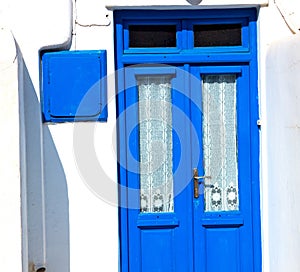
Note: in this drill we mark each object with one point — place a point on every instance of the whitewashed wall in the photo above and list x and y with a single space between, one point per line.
66 226
10 189
283 146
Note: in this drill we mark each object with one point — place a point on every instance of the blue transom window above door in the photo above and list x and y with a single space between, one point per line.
198 31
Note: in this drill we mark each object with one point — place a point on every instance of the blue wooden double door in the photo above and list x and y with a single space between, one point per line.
191 169
187 113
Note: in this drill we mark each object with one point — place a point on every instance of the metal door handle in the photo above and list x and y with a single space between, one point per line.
202 177
198 179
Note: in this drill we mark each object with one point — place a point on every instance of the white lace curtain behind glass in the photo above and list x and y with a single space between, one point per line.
155 143
220 142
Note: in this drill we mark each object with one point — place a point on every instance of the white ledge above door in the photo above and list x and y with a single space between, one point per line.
182 4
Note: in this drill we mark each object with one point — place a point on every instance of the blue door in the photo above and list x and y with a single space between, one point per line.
158 164
189 168
222 205
188 145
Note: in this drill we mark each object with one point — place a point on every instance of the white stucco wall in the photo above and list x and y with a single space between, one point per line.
271 28
10 186
290 11
283 145
66 226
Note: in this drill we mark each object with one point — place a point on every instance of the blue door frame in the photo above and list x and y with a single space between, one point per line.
178 237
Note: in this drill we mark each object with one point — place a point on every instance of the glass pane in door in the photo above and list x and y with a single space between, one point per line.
219 128
155 144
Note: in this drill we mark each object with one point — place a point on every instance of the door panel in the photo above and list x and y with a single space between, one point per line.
157 250
160 232
222 215
223 244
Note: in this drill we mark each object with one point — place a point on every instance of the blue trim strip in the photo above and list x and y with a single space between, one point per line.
154 71
222 69
157 221
222 222
185 57
255 157
123 15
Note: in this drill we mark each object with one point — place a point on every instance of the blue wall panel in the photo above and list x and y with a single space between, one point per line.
74 86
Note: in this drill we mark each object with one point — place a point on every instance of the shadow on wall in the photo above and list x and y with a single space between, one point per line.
45 205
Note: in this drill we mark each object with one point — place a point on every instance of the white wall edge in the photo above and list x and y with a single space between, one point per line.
10 188
45 32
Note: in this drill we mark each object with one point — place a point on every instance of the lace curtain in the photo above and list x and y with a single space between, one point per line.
155 143
220 142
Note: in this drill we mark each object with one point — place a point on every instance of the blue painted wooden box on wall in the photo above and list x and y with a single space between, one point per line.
74 86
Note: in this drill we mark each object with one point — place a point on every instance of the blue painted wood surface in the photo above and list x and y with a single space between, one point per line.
189 239
74 86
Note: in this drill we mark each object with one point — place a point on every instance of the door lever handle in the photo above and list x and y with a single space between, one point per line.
198 179
202 177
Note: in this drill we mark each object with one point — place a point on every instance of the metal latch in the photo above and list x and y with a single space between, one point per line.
197 180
